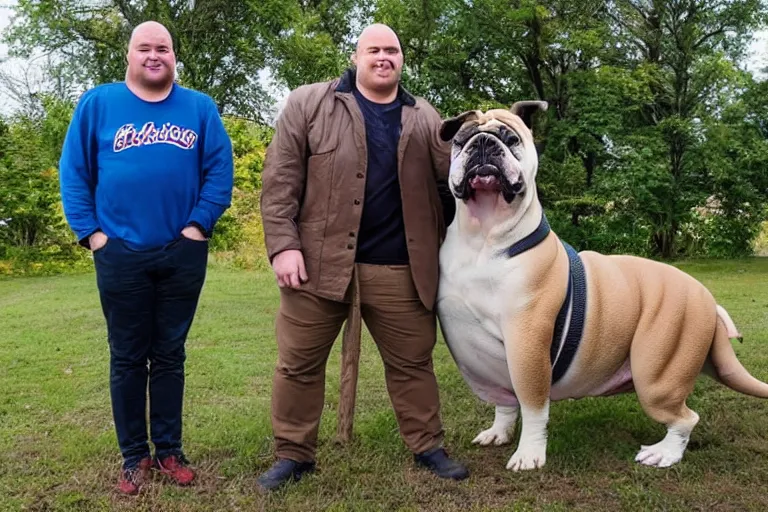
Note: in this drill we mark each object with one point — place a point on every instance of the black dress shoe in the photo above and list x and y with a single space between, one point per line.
438 461
283 471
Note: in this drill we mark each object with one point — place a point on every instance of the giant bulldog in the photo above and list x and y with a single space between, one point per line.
528 320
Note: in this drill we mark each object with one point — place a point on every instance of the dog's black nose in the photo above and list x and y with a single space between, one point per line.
486 147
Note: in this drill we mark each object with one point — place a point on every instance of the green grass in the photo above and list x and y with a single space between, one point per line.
58 448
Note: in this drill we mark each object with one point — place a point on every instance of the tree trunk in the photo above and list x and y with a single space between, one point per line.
665 240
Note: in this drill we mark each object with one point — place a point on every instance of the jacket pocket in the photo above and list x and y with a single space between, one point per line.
317 189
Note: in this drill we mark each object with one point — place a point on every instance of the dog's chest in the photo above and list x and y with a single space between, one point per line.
486 287
479 290
473 302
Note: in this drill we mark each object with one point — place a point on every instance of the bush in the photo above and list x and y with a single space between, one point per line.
720 230
760 246
244 247
34 236
238 239
30 206
48 260
607 233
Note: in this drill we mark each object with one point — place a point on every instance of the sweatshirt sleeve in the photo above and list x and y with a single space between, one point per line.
78 172
217 173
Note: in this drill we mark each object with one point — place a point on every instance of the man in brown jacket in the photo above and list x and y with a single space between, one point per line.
352 214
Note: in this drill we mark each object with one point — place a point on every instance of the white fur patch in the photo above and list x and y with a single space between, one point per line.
669 450
532 451
503 423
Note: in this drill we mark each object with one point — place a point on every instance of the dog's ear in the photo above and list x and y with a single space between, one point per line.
450 126
526 109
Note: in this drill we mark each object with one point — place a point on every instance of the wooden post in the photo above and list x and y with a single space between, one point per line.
350 366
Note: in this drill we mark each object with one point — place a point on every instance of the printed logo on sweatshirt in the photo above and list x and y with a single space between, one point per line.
127 136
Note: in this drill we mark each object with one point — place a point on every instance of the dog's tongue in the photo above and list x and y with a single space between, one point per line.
485 183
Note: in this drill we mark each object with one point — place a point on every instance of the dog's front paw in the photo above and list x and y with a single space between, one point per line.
496 435
531 457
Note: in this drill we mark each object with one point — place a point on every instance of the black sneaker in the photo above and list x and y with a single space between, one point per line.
283 471
438 461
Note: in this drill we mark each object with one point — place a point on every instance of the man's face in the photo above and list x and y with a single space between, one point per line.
379 59
151 60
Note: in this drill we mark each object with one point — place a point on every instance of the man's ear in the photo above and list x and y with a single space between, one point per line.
449 127
526 109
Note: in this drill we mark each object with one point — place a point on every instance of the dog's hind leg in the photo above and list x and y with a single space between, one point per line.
670 450
666 359
503 422
664 401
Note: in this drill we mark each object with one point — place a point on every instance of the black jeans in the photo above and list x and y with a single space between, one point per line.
149 299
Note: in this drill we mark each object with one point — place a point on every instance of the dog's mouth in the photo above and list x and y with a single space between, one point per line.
487 179
483 181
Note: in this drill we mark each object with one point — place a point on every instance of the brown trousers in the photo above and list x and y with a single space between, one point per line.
405 334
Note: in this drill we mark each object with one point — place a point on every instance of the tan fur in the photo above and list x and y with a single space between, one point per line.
530 367
662 321
727 368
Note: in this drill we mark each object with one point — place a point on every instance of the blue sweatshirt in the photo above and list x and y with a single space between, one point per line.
142 171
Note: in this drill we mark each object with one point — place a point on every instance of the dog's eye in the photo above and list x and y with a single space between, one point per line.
461 140
463 137
509 138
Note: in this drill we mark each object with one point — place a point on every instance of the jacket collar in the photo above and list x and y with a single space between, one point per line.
347 84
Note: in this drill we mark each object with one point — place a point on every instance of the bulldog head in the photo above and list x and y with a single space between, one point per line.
493 157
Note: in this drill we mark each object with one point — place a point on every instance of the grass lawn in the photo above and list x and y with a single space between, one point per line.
58 448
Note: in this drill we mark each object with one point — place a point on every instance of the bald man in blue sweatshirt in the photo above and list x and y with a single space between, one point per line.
146 171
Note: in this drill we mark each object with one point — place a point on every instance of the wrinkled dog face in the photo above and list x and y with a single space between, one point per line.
492 152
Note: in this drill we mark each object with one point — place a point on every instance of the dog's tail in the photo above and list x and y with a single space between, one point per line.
726 366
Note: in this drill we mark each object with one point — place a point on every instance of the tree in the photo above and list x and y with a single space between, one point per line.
221 45
319 42
30 205
690 49
654 142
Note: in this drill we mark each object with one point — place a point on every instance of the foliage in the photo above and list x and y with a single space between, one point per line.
33 233
654 142
319 42
34 237
239 238
760 245
219 44
630 87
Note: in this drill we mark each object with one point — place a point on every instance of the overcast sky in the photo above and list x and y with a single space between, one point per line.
16 67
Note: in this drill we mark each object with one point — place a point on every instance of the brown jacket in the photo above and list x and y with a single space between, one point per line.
313 185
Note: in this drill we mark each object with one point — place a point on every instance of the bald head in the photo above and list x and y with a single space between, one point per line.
151 61
375 32
151 29
379 62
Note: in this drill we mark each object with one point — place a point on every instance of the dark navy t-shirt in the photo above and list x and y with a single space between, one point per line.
382 232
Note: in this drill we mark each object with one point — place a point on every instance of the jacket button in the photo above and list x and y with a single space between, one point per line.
357 201
360 175
352 234
350 246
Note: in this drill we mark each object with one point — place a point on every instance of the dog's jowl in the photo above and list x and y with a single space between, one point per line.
529 320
